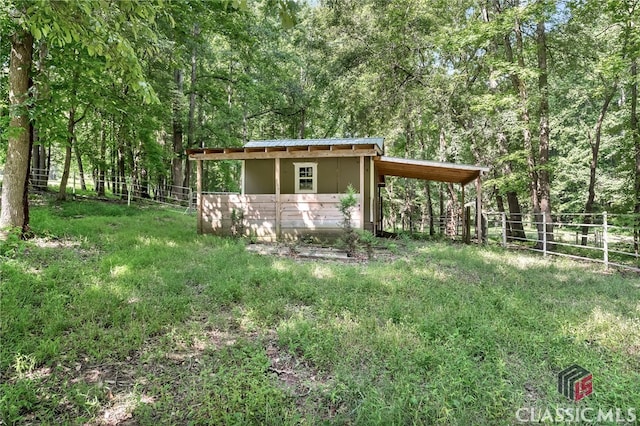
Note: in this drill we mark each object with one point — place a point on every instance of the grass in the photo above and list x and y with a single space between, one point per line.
123 314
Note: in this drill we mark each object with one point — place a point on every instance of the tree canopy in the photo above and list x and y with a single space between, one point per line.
544 92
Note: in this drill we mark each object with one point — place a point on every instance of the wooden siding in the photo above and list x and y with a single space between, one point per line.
299 214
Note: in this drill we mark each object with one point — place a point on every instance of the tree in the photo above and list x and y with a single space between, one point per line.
14 211
96 26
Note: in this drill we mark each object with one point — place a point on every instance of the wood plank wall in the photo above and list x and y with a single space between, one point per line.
299 214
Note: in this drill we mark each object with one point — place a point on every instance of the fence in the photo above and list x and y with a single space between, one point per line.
168 195
610 239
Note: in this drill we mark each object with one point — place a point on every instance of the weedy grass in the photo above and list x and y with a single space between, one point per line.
116 313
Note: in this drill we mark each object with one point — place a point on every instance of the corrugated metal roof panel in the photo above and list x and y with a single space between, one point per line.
428 170
315 142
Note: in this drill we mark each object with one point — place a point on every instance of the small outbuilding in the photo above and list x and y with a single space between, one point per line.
292 188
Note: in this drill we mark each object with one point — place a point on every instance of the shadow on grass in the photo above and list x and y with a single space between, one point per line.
137 318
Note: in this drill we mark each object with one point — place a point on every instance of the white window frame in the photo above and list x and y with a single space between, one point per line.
314 178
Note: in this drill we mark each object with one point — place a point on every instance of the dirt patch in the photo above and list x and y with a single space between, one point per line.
300 251
310 252
303 381
294 375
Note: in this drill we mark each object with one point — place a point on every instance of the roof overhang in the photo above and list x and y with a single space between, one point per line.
428 170
316 142
295 151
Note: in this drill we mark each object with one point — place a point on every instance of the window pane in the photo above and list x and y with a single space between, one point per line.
306 172
306 184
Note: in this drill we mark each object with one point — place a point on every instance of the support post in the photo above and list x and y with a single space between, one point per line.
605 240
278 202
479 209
242 181
467 225
465 217
199 195
372 196
380 211
362 192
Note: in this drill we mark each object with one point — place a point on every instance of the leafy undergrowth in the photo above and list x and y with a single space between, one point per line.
123 315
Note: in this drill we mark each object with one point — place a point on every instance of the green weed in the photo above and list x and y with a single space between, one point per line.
116 309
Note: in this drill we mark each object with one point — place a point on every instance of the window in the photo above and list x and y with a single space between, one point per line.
306 178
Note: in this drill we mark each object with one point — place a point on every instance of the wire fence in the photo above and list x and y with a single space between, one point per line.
610 239
169 195
607 238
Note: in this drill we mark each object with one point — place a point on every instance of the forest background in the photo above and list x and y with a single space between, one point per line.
543 92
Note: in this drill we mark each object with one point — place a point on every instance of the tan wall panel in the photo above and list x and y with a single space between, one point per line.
348 173
259 177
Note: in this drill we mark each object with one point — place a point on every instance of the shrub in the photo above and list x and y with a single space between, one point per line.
347 203
368 241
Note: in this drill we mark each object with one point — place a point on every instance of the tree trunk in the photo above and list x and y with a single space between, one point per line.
39 171
515 217
121 165
113 159
14 211
176 163
432 230
102 164
593 167
443 215
144 183
527 139
191 128
302 126
83 184
544 178
62 192
500 204
442 156
452 212
47 165
515 229
520 86
132 164
635 135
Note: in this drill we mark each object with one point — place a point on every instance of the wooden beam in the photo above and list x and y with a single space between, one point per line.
479 208
361 192
242 179
199 195
372 197
278 201
234 155
465 237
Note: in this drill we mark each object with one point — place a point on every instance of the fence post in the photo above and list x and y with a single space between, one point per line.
605 241
544 234
504 229
129 188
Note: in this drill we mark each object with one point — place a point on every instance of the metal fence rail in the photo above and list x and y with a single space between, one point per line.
609 238
182 197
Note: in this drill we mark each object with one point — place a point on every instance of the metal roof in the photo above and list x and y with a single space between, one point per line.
315 142
428 170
